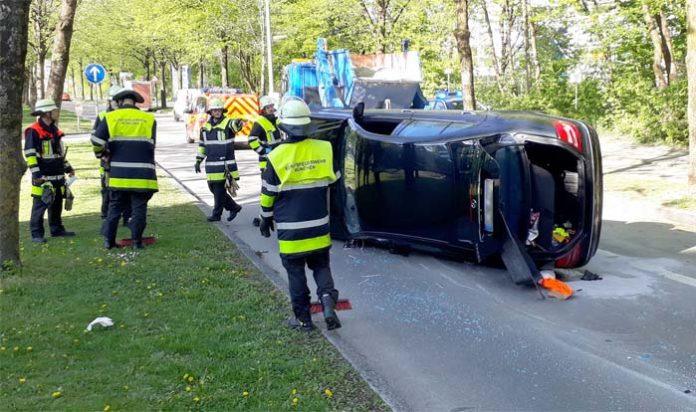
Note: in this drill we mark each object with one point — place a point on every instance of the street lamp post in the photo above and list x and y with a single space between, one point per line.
269 41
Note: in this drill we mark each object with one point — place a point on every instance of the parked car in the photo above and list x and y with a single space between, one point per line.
197 115
466 183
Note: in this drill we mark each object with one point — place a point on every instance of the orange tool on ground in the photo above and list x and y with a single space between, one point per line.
556 288
342 304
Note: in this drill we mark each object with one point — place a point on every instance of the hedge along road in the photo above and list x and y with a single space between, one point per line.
434 334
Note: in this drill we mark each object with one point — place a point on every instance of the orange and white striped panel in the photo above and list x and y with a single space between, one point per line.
243 106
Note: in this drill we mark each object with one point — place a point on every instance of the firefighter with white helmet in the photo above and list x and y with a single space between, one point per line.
45 154
294 198
264 135
216 147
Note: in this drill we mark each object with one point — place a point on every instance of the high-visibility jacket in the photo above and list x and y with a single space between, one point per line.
264 136
294 192
45 153
130 136
216 146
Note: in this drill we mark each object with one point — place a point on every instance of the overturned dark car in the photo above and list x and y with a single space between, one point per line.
521 186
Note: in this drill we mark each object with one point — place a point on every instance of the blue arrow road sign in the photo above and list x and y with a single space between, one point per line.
95 73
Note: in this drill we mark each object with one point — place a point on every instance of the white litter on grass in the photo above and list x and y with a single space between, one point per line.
102 321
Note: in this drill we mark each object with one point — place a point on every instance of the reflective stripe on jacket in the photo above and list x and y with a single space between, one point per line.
132 146
216 146
295 193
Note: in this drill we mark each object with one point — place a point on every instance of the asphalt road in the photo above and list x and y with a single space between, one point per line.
439 335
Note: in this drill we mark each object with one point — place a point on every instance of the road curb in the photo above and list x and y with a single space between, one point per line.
354 358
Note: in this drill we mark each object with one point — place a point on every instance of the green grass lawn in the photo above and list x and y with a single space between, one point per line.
196 326
68 121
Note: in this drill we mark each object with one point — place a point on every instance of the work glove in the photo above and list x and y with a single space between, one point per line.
237 125
266 226
197 166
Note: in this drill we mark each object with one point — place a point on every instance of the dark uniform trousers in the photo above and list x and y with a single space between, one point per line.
119 201
318 263
105 202
222 199
55 211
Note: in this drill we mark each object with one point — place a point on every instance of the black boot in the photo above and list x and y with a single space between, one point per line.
108 244
213 218
303 326
329 305
233 213
137 245
256 222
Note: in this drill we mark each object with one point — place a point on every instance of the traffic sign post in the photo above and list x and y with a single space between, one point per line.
95 73
78 113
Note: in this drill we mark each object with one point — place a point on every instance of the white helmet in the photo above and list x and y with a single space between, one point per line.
216 103
113 90
265 101
295 112
43 106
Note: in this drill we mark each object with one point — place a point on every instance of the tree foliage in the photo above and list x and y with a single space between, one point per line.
591 60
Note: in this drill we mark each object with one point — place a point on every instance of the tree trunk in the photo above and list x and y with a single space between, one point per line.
530 47
163 82
667 48
60 58
527 46
72 81
534 55
463 35
82 79
147 65
13 43
201 70
494 55
661 80
40 88
691 76
31 86
506 23
224 77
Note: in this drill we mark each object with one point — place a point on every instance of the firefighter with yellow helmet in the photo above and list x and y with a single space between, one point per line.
216 147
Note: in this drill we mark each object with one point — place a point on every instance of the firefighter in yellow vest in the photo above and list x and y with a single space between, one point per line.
45 154
264 134
294 197
104 165
126 139
216 146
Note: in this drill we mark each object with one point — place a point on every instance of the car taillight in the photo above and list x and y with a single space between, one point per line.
569 133
571 259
